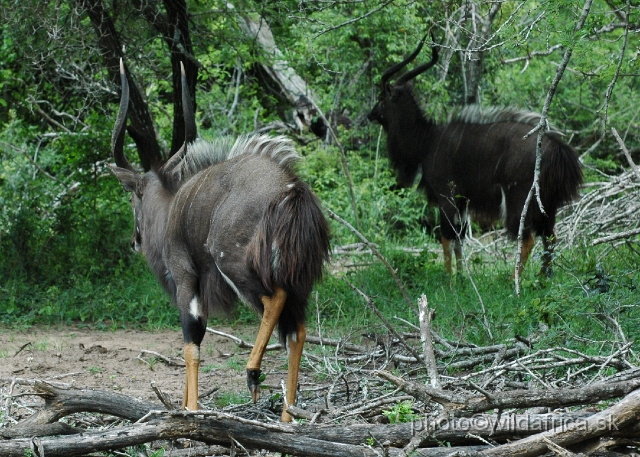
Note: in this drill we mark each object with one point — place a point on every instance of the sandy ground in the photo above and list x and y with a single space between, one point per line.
113 360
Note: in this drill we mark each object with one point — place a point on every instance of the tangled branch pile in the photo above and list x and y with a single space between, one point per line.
607 213
361 408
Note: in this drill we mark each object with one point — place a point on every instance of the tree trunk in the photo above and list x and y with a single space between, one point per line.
479 30
141 125
178 39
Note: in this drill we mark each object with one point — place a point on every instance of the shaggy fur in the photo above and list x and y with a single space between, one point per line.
202 153
475 114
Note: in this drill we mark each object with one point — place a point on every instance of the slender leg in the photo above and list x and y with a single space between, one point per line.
295 344
446 249
193 319
549 243
457 250
527 246
272 309
192 359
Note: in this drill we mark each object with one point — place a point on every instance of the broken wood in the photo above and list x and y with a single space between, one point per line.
617 417
60 402
218 428
470 404
425 316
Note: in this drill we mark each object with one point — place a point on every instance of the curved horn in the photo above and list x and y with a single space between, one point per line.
117 138
399 66
190 130
419 69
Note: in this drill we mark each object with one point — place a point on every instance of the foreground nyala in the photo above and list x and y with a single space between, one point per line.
480 163
222 221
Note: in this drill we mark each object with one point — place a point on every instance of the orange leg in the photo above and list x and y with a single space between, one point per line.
272 309
295 344
192 359
527 247
446 249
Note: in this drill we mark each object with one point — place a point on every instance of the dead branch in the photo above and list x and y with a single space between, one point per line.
616 236
60 402
557 398
613 204
531 54
310 339
425 317
57 428
377 253
390 327
619 416
210 430
168 360
625 151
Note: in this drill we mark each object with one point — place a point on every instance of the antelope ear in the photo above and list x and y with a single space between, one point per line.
387 87
129 179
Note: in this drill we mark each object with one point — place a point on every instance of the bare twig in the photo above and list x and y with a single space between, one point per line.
542 127
356 19
33 162
607 95
163 397
377 253
164 358
625 151
370 303
425 317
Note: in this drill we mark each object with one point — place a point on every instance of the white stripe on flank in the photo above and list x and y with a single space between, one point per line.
232 285
503 205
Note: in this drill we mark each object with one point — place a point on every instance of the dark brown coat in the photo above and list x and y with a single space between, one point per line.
479 163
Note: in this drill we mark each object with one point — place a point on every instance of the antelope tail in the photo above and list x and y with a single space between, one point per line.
560 175
289 250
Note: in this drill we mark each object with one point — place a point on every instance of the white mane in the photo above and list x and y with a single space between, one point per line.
202 153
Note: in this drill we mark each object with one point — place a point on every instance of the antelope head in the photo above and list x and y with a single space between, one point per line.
390 94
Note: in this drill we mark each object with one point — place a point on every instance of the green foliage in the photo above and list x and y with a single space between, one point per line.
400 413
384 213
227 399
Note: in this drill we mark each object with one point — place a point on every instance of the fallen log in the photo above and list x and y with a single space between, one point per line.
216 428
60 402
209 430
21 430
621 415
522 398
